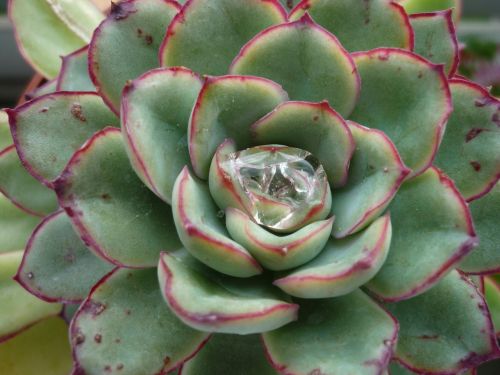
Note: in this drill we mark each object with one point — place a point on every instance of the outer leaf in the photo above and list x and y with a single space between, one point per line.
492 295
376 172
432 231
15 226
114 213
307 60
57 266
406 97
155 114
42 349
469 152
45 88
191 40
430 342
42 48
343 266
124 326
221 306
331 338
230 354
314 127
49 129
5 136
436 39
360 25
225 108
74 74
19 309
486 258
21 188
203 235
132 25
422 6
81 17
278 252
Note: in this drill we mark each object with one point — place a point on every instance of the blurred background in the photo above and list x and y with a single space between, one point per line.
478 32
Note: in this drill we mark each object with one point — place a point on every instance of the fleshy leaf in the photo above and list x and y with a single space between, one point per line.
226 108
112 211
155 115
22 188
15 226
492 295
45 88
49 129
191 40
423 6
306 59
215 304
331 337
313 127
203 234
418 89
432 231
278 252
41 35
469 151
360 25
57 266
134 25
446 330
486 257
20 309
230 354
5 136
343 266
74 74
81 17
41 349
124 326
436 39
376 172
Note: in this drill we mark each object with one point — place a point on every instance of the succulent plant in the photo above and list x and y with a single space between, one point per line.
243 189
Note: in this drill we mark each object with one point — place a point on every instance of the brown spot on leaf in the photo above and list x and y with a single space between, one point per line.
79 338
476 165
428 337
43 110
98 338
481 102
107 368
106 196
473 133
119 366
289 4
76 111
128 312
148 39
316 118
420 75
120 11
496 118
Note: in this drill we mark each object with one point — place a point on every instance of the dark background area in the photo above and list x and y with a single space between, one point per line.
480 25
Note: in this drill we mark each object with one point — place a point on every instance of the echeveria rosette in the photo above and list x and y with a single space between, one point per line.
266 200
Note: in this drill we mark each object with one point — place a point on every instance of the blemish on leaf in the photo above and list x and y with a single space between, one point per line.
120 11
428 337
128 312
30 275
43 110
383 57
119 366
118 341
76 111
481 102
107 368
149 39
79 338
496 118
106 196
316 118
95 308
98 338
473 133
476 165
316 371
420 75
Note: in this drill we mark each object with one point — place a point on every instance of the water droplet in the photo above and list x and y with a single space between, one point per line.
30 275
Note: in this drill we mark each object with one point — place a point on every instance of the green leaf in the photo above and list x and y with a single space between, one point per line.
376 172
57 266
407 98
46 88
230 354
486 257
360 25
126 44
49 129
492 295
203 234
41 35
74 74
469 151
216 304
155 115
22 188
226 108
343 266
5 136
432 231
15 225
278 252
41 349
314 127
20 309
125 326
191 40
345 335
436 39
423 6
307 60
446 330
111 209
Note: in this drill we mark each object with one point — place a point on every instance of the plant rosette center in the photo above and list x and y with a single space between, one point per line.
280 187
